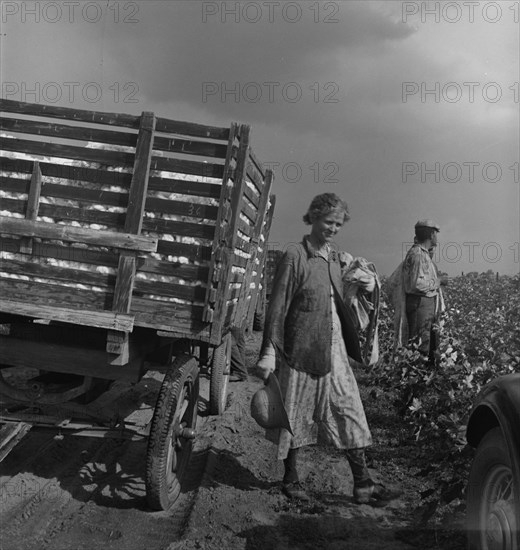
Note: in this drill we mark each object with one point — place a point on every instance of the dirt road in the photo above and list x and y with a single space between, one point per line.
83 493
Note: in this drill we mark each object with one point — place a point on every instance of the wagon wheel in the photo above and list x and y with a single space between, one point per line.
219 377
172 433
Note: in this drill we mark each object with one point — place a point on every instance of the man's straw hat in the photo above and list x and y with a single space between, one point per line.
428 223
267 406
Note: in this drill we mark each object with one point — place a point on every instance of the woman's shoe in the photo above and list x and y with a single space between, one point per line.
385 493
363 493
375 494
295 491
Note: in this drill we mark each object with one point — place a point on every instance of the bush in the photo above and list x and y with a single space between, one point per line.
480 339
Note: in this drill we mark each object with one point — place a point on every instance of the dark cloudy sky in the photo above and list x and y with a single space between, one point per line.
407 110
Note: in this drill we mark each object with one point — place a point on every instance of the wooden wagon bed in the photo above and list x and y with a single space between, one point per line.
119 234
127 222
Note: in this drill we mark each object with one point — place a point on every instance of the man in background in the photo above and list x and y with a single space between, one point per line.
421 287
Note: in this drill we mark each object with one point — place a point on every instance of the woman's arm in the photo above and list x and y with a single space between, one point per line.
283 289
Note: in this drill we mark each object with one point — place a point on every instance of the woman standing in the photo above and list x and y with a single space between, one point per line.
308 336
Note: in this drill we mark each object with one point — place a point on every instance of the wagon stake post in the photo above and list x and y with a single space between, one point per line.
119 342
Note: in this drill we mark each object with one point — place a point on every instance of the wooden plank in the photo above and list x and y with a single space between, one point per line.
245 228
10 434
15 185
255 177
258 164
53 295
229 234
42 148
185 320
188 147
253 198
62 274
191 129
65 131
180 229
154 313
69 192
171 290
120 179
179 208
78 173
229 313
189 272
115 119
66 253
26 228
193 167
33 201
100 319
147 312
240 262
117 342
234 293
249 212
199 334
261 256
114 220
12 246
241 311
195 252
68 359
242 244
82 195
51 111
184 187
110 258
34 193
139 185
125 278
222 219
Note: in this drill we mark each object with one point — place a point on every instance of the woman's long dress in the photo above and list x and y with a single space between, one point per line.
323 410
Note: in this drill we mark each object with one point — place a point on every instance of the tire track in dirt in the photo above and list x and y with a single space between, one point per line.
38 490
102 483
83 493
115 515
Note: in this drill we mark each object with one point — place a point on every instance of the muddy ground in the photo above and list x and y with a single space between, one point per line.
63 493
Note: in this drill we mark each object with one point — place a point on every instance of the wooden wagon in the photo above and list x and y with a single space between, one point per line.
123 236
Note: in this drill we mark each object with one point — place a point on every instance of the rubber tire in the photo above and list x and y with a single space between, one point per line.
177 404
219 376
491 460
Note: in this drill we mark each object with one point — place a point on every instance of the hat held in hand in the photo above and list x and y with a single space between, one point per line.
267 406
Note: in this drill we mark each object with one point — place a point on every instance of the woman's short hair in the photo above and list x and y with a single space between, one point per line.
324 204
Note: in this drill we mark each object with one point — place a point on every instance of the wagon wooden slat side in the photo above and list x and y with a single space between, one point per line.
90 185
259 236
120 233
261 251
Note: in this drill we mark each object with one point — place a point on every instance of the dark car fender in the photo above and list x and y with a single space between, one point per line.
499 405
